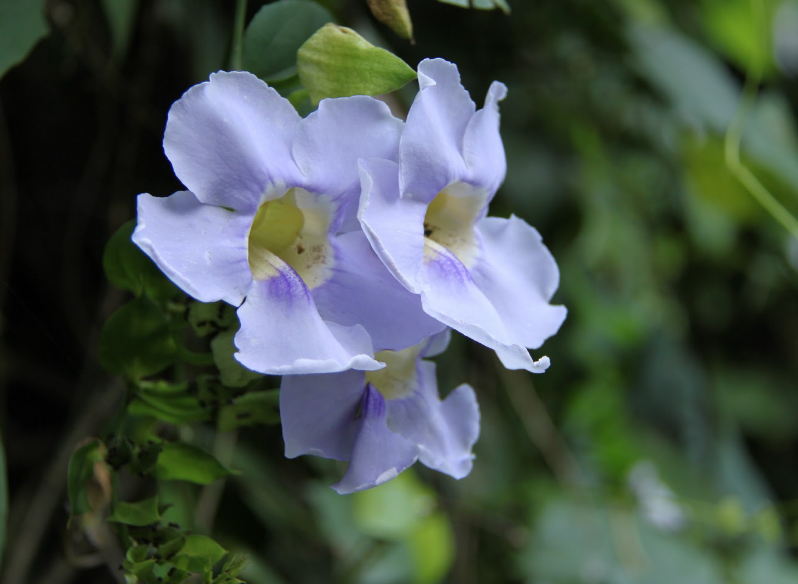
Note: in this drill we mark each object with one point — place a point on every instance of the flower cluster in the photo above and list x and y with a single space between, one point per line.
351 242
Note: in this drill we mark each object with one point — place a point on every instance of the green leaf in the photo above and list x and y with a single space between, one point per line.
22 25
734 28
338 62
136 340
432 549
171 403
393 13
80 472
127 267
393 510
275 34
232 373
183 462
210 317
138 514
199 553
257 407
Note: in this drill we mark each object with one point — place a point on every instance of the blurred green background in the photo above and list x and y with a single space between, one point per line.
660 447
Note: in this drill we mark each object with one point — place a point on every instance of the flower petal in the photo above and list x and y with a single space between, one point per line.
332 139
432 141
452 297
319 413
482 145
393 226
362 291
518 274
229 140
444 431
379 455
282 333
201 248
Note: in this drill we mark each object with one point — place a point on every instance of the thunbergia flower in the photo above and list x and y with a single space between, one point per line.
270 220
425 216
381 421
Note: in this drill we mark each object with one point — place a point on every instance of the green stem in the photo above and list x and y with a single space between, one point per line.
734 136
238 35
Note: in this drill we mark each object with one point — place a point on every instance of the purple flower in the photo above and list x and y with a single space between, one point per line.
425 216
270 220
381 421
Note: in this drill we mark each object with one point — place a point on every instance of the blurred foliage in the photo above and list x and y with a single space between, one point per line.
658 448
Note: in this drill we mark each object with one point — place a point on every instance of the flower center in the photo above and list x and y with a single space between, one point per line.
450 219
293 229
399 377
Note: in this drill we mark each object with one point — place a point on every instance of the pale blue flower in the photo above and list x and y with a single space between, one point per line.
269 220
381 421
425 216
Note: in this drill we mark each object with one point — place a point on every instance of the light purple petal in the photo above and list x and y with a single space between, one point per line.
319 413
444 431
518 274
229 140
482 146
282 333
432 142
332 139
452 297
379 455
362 291
201 248
393 226
437 344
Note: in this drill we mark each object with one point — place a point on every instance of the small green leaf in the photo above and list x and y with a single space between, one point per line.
395 509
171 403
210 317
200 553
275 34
393 13
432 549
232 373
128 268
171 547
22 25
256 407
145 458
136 340
338 62
138 514
183 462
80 471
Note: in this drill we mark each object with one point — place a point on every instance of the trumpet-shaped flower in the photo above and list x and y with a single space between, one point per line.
425 216
381 421
269 220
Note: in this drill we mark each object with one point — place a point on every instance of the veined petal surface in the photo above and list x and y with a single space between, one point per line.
229 140
362 291
332 139
432 141
201 248
379 454
393 226
518 274
445 431
319 413
282 332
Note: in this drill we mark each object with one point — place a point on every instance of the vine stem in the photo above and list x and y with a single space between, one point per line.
734 136
238 35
